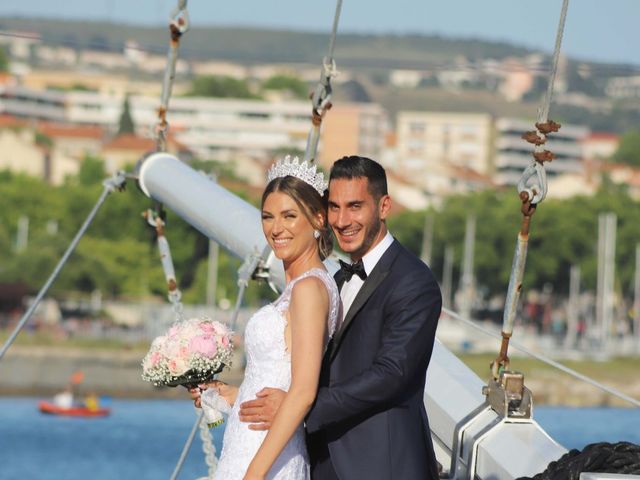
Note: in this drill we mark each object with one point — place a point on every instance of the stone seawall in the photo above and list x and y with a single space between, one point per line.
43 371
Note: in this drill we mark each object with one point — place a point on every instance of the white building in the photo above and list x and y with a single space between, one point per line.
34 104
213 128
405 78
623 87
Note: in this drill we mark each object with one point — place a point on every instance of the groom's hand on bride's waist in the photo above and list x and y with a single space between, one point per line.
260 411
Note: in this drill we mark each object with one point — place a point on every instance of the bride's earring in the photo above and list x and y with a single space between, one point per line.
316 234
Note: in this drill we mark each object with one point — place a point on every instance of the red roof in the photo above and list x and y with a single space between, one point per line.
602 136
131 141
54 130
7 121
57 130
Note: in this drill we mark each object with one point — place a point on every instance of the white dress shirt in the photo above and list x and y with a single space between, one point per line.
351 288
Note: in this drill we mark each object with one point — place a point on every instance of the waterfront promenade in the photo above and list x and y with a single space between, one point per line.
44 370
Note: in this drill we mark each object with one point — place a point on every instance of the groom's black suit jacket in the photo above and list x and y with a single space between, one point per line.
369 409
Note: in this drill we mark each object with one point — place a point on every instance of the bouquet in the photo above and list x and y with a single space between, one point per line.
191 352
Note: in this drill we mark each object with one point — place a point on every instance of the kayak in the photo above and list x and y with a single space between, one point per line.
76 411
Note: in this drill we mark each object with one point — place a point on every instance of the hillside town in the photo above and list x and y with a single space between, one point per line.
59 104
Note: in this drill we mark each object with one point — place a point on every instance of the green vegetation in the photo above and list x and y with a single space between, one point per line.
297 88
609 371
118 254
4 60
43 140
125 124
629 149
563 233
250 45
220 86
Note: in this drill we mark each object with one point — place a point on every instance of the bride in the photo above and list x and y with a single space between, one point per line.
284 340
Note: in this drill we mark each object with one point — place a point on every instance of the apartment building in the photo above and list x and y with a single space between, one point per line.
353 129
427 139
220 129
513 154
213 128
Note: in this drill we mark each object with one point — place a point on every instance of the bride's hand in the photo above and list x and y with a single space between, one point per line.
195 392
226 391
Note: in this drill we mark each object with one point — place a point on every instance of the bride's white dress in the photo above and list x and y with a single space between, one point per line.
269 365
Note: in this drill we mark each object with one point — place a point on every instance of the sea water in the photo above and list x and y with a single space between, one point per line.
143 439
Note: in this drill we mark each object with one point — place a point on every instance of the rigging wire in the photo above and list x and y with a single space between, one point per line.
321 97
208 446
544 359
187 445
532 189
178 25
114 183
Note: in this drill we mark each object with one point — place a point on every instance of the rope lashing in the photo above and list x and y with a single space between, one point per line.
544 126
621 457
532 189
321 96
208 448
174 294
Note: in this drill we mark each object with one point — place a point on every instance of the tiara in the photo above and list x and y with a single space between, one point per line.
304 171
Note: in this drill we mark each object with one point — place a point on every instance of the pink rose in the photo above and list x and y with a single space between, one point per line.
184 353
155 359
208 328
177 366
204 345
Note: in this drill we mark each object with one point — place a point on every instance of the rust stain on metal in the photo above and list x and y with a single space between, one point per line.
174 30
544 156
548 127
533 137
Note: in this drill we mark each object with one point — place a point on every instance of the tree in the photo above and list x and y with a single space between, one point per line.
91 171
126 121
298 88
4 60
628 151
220 86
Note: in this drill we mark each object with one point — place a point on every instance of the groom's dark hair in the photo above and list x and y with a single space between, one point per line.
357 167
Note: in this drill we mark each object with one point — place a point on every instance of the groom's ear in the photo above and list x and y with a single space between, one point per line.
384 207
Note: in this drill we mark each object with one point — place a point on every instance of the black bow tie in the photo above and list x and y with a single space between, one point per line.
349 270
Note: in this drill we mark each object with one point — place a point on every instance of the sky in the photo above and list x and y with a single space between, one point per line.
598 30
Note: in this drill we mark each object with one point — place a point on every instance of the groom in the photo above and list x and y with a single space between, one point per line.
368 420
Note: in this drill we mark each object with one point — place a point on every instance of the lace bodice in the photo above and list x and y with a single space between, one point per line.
269 365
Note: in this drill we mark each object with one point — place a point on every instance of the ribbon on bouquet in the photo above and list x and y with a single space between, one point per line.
213 407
